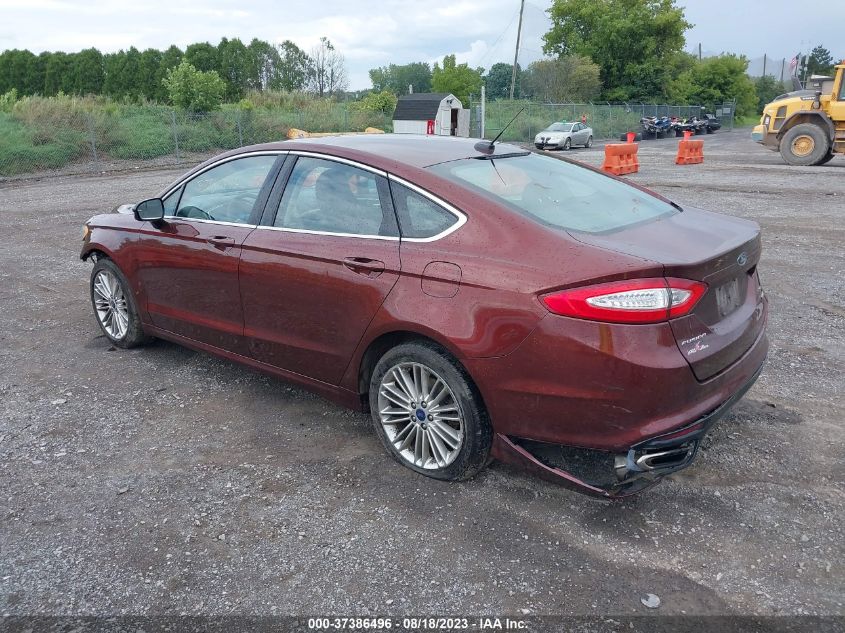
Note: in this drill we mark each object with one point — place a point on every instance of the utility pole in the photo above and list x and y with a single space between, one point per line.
782 66
699 51
516 52
764 64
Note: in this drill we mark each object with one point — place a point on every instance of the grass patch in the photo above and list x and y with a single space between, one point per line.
24 149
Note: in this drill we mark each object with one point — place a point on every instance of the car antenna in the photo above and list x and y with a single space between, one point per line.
488 147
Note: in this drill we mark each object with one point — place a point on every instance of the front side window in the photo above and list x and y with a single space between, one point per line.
557 193
419 217
225 193
330 197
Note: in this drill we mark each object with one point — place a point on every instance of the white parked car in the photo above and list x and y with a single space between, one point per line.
564 136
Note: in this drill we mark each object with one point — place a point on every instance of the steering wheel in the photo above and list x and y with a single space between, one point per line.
193 212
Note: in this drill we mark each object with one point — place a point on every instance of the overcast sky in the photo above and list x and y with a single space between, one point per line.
370 34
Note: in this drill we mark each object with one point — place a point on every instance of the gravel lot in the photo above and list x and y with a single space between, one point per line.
164 481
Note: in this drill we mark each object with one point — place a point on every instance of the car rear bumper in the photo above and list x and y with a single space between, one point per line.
621 394
640 467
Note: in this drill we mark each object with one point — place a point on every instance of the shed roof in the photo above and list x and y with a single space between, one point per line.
419 107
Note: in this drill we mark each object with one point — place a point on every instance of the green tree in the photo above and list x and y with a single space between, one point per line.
89 72
396 79
194 90
632 41
114 64
820 62
14 71
58 75
203 56
264 64
384 101
715 80
294 68
170 58
459 79
767 88
498 81
234 69
35 70
148 68
568 79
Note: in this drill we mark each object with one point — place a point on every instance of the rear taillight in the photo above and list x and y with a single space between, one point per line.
629 301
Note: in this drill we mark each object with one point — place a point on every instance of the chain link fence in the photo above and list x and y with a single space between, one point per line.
609 121
43 137
48 135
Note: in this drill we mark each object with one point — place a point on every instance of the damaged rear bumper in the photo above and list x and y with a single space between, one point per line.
615 475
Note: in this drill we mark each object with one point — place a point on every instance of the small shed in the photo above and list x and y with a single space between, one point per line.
439 113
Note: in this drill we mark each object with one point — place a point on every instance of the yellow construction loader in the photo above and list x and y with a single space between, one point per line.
807 127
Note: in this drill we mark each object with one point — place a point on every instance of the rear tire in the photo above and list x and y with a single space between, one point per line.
826 159
114 306
589 143
804 145
567 144
447 437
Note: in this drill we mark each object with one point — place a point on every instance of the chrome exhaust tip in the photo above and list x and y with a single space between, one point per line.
636 463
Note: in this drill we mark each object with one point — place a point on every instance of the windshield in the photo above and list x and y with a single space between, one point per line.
559 127
557 193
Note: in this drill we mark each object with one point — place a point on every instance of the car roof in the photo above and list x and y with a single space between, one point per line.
382 150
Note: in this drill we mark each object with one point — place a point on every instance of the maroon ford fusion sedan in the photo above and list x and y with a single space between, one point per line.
478 301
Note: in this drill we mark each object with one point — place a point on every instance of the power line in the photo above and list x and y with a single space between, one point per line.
498 39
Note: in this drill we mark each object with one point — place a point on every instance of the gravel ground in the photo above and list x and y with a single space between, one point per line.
163 481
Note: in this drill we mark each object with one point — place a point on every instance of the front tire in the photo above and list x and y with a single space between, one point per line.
114 306
805 144
428 414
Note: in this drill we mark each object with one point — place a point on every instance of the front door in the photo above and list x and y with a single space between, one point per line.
188 267
316 272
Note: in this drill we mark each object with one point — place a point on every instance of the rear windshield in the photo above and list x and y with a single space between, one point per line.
557 193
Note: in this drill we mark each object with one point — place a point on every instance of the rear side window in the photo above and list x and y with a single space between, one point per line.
419 217
557 193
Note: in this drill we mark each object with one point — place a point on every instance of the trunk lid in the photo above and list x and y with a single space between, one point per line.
721 251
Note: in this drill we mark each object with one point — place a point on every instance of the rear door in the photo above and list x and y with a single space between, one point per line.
188 266
319 267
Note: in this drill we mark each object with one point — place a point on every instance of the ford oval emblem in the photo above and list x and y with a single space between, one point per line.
742 259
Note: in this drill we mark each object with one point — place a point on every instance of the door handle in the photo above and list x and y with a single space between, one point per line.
364 266
221 241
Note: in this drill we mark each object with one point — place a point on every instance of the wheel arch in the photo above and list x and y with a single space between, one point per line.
388 340
95 251
815 117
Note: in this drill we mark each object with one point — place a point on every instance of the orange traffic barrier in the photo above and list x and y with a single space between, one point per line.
621 158
690 152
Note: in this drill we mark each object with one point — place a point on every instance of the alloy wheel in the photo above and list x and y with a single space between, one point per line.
111 305
420 416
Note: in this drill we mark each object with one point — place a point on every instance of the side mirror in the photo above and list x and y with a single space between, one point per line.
151 210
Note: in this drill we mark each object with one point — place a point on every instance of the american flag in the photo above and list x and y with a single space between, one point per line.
793 63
